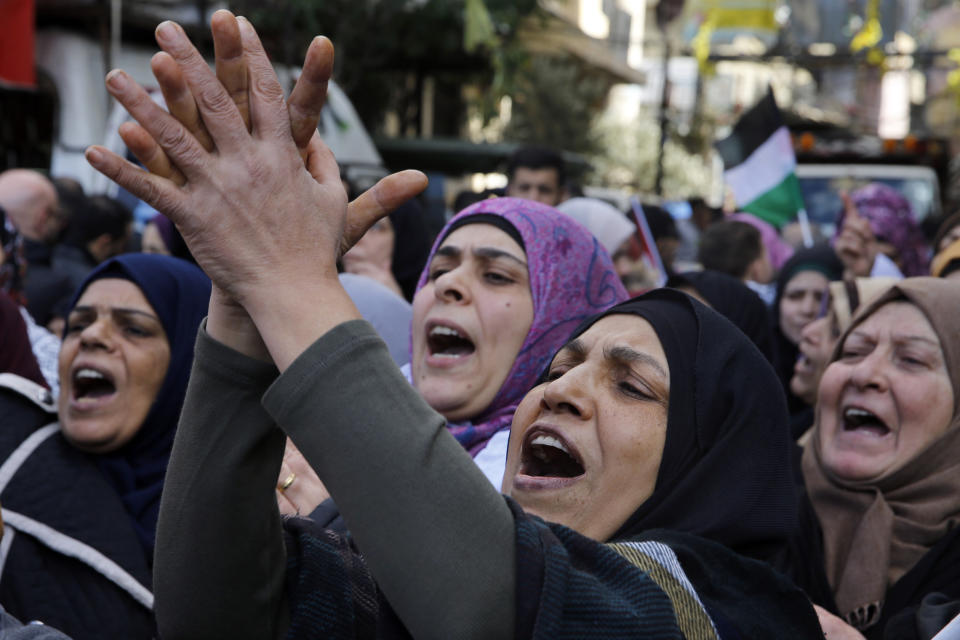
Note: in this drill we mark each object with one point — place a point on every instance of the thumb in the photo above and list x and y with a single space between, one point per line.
378 201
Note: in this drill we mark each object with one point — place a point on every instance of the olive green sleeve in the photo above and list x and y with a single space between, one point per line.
220 562
437 537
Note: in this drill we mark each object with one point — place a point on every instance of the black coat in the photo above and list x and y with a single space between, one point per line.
70 556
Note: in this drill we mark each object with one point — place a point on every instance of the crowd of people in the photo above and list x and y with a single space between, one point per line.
282 410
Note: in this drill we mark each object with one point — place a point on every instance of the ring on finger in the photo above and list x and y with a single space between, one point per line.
288 481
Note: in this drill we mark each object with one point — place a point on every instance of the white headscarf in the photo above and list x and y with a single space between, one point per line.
604 221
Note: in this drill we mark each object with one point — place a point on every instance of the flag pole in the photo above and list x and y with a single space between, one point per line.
804 221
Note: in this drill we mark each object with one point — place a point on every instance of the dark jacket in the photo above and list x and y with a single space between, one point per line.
70 557
916 606
44 287
75 263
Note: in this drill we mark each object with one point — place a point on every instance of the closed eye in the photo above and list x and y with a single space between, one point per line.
497 278
555 373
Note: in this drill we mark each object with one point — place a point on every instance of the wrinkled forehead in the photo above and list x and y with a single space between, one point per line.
934 306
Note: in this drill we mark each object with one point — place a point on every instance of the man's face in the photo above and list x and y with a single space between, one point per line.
540 185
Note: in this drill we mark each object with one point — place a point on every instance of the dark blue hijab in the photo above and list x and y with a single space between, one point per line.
179 293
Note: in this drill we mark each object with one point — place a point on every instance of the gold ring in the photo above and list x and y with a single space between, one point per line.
288 481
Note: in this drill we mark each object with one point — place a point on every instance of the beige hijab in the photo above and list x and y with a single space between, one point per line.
876 530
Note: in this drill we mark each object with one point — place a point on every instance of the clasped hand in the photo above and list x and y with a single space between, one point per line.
242 172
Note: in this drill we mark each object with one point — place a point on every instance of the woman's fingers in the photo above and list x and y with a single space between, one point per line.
286 507
298 482
310 93
378 201
216 108
179 99
230 64
268 108
142 145
159 193
180 146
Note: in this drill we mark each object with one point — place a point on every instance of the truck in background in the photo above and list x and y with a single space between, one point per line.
831 162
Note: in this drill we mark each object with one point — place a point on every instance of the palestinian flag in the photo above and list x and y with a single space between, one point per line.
759 164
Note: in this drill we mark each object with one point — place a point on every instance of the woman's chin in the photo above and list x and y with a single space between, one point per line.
854 467
452 402
96 434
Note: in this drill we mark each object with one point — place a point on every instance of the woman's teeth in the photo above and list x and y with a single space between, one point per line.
446 342
90 383
548 457
855 418
549 441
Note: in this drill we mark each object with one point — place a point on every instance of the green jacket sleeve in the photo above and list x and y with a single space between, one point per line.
437 537
219 561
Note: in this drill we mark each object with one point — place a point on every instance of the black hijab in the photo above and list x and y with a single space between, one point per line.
411 245
726 471
824 260
735 301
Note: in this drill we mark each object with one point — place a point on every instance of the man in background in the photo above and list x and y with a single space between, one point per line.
536 173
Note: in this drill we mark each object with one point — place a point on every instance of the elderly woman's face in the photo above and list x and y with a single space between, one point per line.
800 302
887 397
470 320
112 363
585 447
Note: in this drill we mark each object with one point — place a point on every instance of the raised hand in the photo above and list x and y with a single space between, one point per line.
264 218
856 245
248 207
303 106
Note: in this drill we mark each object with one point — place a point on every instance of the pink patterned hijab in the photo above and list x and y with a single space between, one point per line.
571 277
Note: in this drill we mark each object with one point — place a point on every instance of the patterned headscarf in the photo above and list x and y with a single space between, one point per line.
571 277
891 218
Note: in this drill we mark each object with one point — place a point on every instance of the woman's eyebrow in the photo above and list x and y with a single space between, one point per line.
915 338
448 251
126 310
491 253
626 355
574 348
483 253
123 310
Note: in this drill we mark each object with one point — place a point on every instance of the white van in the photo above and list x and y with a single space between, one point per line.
88 115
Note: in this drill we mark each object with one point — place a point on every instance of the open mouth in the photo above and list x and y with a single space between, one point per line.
547 456
857 419
447 342
90 384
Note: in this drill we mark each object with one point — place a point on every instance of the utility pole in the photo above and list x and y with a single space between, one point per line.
664 103
666 12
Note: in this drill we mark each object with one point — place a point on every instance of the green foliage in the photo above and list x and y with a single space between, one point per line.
628 156
554 102
379 42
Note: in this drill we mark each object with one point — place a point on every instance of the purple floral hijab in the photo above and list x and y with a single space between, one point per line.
571 277
891 218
